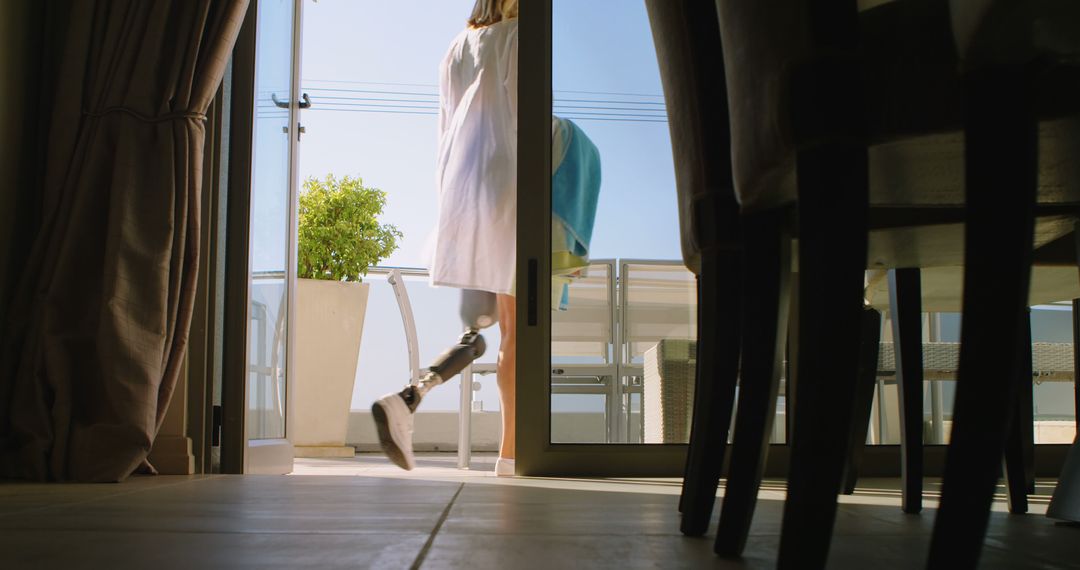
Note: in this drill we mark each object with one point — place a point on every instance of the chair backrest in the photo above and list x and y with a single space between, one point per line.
686 35
989 32
585 330
658 301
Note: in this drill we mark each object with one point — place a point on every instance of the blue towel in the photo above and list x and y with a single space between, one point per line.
575 190
575 186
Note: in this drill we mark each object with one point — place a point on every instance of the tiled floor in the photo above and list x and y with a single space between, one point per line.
364 513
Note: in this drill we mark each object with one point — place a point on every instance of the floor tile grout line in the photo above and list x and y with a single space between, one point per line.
212 532
105 497
431 539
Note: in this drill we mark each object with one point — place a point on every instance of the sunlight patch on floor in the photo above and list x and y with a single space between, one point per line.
442 467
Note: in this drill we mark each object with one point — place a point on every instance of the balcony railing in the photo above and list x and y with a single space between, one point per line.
618 310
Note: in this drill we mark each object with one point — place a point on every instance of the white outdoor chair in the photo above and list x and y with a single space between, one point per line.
657 344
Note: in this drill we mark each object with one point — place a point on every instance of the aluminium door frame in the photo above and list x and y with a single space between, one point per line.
237 248
238 455
536 455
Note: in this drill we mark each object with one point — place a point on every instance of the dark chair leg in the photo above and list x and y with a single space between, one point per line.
693 455
1001 176
905 298
1076 348
766 270
832 181
791 368
714 393
1019 446
869 346
1026 404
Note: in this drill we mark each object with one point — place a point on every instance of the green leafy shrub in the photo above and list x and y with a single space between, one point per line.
339 234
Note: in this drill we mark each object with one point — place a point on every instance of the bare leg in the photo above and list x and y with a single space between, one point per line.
505 372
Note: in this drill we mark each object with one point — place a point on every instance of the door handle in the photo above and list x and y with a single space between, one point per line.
304 103
532 309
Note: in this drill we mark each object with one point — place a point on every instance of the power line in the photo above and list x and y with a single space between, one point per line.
610 93
399 103
407 103
650 95
608 101
324 109
381 105
572 117
345 81
390 99
374 91
435 96
610 108
595 116
588 110
618 120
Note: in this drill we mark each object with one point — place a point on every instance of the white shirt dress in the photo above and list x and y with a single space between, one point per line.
475 240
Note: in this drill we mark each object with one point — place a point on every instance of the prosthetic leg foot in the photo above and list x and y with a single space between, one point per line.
394 423
393 413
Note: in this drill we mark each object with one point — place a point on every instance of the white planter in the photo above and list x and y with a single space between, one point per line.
329 322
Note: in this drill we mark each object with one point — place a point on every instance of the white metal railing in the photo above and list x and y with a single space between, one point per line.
616 378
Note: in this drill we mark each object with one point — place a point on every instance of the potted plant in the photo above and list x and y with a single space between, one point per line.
339 238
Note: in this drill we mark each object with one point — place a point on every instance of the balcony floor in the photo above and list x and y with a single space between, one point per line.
364 513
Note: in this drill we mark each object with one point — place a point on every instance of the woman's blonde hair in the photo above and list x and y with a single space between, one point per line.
488 12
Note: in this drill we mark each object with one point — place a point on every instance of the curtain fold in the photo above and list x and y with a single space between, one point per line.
99 325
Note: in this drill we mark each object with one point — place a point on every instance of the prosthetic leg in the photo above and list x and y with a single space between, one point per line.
393 413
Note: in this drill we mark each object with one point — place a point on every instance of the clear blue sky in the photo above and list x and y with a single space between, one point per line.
378 61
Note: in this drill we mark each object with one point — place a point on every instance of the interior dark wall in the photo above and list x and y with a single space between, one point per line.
22 56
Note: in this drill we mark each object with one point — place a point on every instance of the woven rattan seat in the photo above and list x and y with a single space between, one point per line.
1051 361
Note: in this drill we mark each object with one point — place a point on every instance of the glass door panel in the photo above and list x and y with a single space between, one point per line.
623 333
271 223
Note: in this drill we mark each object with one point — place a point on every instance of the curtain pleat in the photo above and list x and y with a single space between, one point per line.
99 326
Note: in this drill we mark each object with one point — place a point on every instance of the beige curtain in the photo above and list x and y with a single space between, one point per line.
99 324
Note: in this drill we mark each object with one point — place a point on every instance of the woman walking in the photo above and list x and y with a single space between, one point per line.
476 233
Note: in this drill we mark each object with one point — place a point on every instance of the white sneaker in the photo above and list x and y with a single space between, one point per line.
394 423
504 467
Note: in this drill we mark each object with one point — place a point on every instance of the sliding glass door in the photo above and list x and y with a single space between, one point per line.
607 317
272 247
